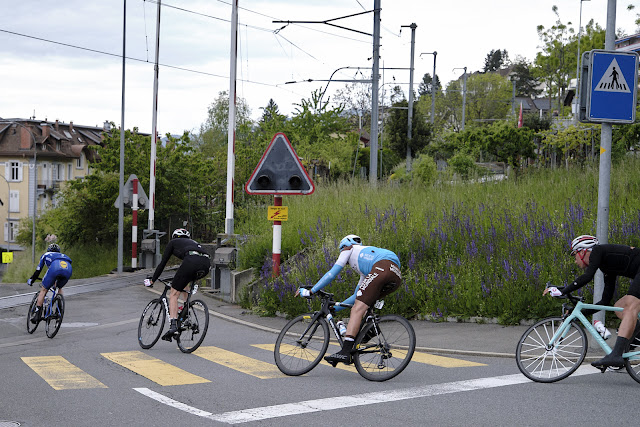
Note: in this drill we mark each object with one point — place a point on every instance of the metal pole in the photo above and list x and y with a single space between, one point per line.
604 179
433 89
154 130
121 182
410 113
8 213
35 198
513 97
464 96
373 145
231 133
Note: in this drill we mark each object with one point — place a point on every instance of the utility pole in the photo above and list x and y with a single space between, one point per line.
410 113
373 143
604 177
464 93
433 85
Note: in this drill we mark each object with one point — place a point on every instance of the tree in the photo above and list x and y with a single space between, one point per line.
495 60
425 86
527 84
488 97
396 130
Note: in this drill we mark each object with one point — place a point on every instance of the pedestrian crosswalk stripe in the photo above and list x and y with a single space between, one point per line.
238 362
442 361
428 359
291 351
61 374
153 369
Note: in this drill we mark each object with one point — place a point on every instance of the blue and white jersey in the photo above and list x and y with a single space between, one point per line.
49 258
361 259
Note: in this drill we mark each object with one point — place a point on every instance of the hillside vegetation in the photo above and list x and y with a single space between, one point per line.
467 249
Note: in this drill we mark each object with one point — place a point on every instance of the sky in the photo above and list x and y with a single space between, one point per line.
63 59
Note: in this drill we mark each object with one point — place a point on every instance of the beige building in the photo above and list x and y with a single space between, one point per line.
63 152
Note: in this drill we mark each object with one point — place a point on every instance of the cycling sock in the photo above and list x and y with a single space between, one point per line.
621 344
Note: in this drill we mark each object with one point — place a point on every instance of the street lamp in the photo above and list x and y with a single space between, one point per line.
433 84
578 61
464 93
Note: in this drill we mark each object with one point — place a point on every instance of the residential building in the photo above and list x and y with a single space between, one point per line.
628 43
37 158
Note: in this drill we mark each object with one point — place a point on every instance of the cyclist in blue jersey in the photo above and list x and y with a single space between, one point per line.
58 272
380 275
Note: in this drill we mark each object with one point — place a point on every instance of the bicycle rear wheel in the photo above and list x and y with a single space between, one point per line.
194 327
633 363
301 345
384 348
31 327
54 320
151 323
541 362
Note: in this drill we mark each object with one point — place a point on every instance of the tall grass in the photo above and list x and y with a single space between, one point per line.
87 261
467 249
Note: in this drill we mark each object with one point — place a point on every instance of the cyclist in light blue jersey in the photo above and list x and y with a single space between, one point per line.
380 275
58 272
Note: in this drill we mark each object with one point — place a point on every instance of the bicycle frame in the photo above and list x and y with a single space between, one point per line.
54 292
165 299
577 314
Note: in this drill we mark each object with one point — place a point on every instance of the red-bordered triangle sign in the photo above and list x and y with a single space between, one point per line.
279 171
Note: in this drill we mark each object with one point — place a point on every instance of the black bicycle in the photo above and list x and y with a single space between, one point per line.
193 320
52 312
383 347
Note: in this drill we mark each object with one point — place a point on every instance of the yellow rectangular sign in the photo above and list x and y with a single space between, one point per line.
7 257
278 213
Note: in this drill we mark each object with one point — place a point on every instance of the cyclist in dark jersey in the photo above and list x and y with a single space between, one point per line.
613 261
58 273
380 275
195 265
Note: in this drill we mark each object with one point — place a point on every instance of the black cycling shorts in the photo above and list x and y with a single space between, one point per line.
193 267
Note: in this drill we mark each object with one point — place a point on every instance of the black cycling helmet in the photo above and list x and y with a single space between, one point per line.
53 248
180 232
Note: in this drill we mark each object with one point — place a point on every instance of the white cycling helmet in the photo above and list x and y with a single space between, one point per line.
180 232
350 240
583 242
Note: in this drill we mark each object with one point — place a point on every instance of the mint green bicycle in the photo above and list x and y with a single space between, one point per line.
554 348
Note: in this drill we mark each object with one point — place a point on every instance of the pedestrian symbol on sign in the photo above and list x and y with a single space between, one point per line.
613 80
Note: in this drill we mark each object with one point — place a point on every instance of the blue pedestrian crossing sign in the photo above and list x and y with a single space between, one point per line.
613 83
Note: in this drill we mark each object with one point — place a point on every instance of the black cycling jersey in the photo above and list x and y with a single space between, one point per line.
613 261
179 247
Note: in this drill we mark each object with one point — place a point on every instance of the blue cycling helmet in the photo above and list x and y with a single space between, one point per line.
53 248
350 240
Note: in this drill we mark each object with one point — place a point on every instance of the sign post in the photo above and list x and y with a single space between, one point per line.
279 172
133 196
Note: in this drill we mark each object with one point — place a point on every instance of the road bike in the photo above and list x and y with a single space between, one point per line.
193 320
383 347
52 314
553 348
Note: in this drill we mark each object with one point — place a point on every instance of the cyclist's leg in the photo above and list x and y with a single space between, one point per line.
179 282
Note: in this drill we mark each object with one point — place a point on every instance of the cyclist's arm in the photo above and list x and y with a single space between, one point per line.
352 299
168 251
335 270
36 273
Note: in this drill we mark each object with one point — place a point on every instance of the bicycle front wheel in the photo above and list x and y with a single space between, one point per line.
54 320
633 363
301 345
31 327
194 327
384 348
151 323
546 363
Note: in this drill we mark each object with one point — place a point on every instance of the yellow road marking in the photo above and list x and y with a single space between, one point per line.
291 350
445 362
238 362
61 374
154 369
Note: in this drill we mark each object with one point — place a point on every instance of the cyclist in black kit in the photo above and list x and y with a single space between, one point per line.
195 265
613 261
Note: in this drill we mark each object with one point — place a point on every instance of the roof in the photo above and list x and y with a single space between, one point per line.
54 140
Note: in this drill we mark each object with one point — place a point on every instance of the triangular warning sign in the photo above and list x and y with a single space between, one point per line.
613 80
279 171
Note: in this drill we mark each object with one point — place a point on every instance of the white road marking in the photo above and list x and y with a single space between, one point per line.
331 403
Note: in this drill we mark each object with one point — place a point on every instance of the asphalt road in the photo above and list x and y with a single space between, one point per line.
94 373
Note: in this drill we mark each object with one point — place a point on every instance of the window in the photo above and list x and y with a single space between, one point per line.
69 173
14 201
13 171
58 145
58 172
10 231
79 161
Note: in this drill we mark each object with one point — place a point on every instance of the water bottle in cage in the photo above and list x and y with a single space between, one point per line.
602 330
342 328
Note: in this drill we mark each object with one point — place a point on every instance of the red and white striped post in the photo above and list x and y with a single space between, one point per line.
134 226
277 239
